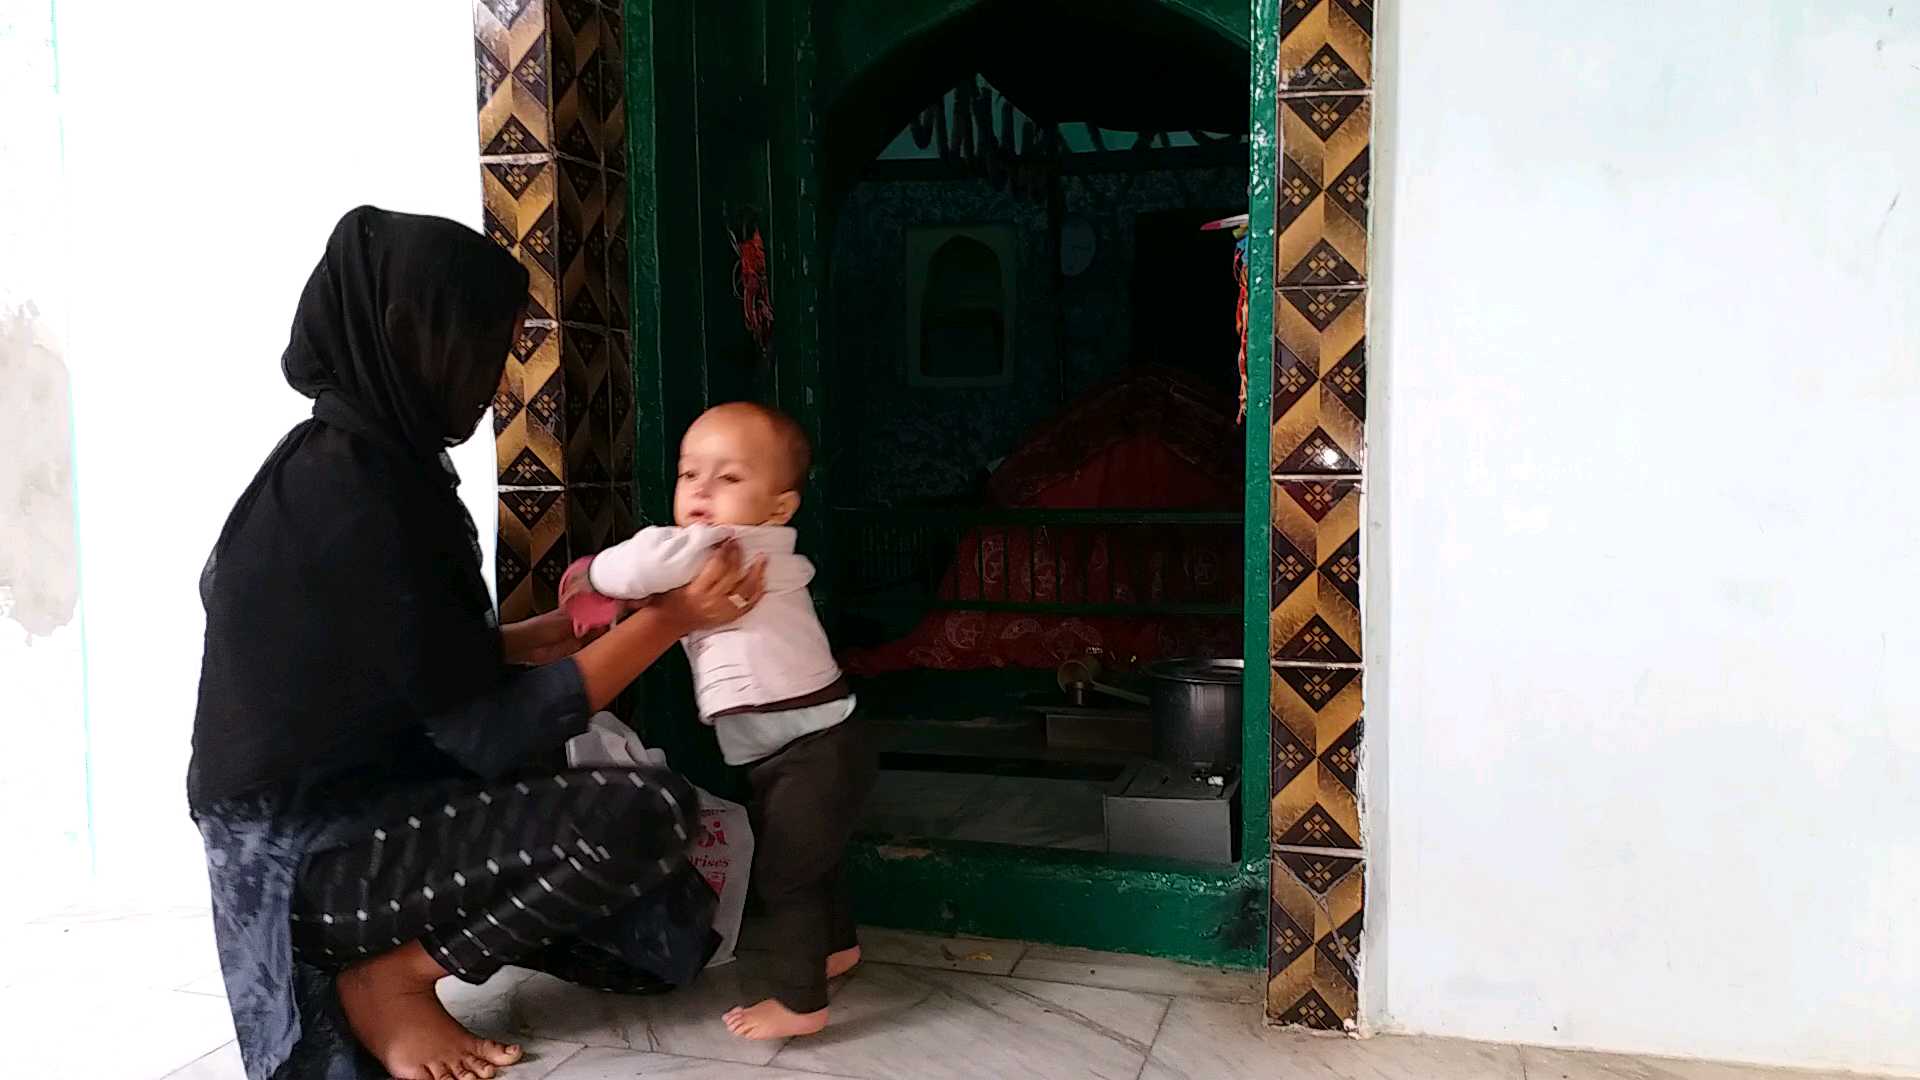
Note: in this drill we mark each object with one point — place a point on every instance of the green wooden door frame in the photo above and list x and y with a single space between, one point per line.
816 50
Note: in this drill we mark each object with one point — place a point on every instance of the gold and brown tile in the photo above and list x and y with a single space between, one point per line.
617 286
1323 195
1326 45
533 548
513 78
1319 381
529 412
1315 571
626 519
590 519
1315 915
579 79
582 243
620 405
589 426
1315 756
520 212
613 63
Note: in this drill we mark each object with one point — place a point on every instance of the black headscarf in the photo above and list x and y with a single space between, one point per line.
344 598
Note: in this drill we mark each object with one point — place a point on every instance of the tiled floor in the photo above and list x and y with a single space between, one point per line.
922 1007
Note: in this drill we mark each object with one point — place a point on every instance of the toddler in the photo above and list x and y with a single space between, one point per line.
770 688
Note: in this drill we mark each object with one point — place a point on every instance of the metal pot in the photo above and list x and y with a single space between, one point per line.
1195 705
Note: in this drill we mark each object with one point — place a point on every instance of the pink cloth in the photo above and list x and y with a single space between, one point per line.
588 609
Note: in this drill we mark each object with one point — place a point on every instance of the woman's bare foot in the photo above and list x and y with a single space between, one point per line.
772 1020
393 1011
840 963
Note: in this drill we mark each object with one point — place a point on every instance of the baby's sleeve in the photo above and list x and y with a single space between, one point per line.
654 560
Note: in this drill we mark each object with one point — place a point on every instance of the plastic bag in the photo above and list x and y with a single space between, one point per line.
723 852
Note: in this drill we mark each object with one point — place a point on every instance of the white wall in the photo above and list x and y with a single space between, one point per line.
42 689
208 154
1645 568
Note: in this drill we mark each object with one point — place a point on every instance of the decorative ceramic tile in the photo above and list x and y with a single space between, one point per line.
1326 45
589 428
1320 212
620 403
626 521
579 79
617 284
589 519
1316 730
513 76
613 62
1319 381
1313 940
582 243
533 537
1316 571
529 412
520 212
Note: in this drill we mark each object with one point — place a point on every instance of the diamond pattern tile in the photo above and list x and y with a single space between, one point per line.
1319 381
528 444
579 80
1315 917
512 65
589 425
533 545
1321 209
1316 571
582 243
520 211
1316 733
1326 45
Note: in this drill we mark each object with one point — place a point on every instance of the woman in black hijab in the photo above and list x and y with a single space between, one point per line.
365 745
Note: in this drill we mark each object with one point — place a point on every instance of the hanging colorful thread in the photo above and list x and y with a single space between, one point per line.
1240 316
750 285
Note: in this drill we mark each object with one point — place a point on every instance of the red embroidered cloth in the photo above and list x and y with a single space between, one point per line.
1151 440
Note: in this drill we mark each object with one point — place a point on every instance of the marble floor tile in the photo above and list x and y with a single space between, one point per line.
543 1059
685 1022
487 1008
1213 1040
605 1063
944 1025
112 1032
222 1064
1548 1064
1148 974
984 956
161 951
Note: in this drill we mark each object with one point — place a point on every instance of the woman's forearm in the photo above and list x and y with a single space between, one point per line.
525 641
610 664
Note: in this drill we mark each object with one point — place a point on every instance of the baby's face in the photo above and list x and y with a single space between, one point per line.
732 473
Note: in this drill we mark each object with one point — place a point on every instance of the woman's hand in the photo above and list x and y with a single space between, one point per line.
541 639
721 592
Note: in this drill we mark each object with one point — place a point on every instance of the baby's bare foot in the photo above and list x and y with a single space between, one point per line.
840 963
393 1011
772 1020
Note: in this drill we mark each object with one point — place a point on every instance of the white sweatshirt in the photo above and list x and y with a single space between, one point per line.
775 653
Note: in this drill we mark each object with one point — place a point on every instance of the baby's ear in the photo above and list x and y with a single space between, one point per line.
785 505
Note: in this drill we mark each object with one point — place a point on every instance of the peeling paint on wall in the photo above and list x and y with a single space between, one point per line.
39 572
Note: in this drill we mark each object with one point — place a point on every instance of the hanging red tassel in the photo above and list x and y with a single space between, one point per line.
1240 318
750 285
